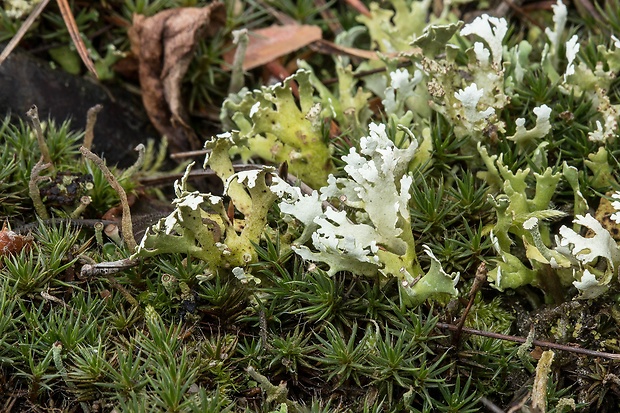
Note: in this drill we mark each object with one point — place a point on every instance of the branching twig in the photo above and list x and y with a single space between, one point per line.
125 293
91 119
126 219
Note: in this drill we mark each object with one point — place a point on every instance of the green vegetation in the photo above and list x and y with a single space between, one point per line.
465 177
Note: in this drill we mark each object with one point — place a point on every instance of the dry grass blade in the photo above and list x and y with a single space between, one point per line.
22 30
67 16
359 7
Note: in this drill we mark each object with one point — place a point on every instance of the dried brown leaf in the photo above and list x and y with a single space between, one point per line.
164 45
12 243
269 43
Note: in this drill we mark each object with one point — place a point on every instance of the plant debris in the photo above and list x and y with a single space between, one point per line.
164 45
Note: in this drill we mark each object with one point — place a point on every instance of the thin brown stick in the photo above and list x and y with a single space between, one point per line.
23 30
519 404
515 339
126 219
91 119
190 154
53 221
365 73
74 32
57 300
479 280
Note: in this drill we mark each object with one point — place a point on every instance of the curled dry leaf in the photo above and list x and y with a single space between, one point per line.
164 44
13 243
269 43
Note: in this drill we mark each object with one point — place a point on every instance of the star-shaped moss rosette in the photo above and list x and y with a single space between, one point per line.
273 127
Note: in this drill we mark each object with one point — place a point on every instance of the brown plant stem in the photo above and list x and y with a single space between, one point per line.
189 154
515 339
54 221
479 280
126 219
359 75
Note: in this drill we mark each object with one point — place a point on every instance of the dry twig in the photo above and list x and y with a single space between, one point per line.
23 30
74 32
479 280
540 343
67 16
